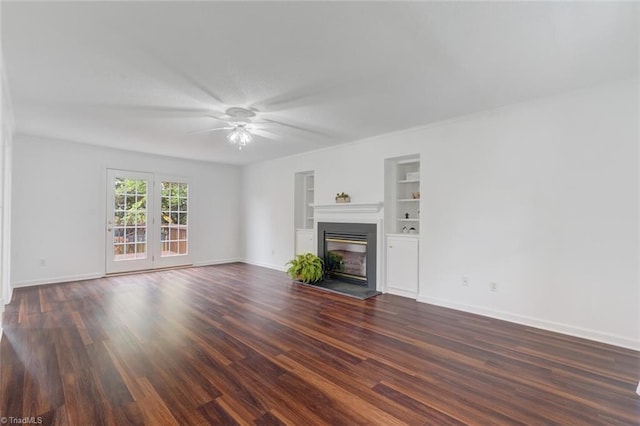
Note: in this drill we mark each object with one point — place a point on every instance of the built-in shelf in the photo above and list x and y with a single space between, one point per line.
309 181
304 197
402 193
409 161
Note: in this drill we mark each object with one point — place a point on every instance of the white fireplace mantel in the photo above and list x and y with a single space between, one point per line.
347 208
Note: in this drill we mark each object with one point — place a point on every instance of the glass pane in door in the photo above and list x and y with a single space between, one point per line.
174 206
129 219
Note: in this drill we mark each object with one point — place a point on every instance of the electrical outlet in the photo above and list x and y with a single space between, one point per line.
465 281
493 286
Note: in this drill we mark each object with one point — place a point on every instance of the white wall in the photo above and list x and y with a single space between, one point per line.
541 198
59 207
6 135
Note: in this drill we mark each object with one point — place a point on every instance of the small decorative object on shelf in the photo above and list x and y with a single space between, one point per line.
404 230
415 195
412 230
406 215
341 197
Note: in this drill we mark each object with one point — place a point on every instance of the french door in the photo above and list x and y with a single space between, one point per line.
147 221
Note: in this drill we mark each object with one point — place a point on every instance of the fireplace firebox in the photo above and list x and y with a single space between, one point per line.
349 252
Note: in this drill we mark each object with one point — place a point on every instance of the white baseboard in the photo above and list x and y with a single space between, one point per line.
401 292
217 262
265 265
570 330
82 277
54 280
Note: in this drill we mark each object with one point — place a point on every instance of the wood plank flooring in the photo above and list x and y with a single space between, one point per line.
238 344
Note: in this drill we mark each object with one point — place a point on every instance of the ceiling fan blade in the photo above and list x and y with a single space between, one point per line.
263 133
226 120
143 57
293 126
296 98
198 85
153 109
197 132
134 110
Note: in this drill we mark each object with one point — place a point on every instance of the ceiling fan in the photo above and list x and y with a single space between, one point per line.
242 124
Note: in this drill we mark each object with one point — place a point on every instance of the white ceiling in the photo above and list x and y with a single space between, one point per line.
142 75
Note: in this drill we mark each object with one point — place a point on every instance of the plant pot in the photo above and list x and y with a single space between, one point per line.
343 199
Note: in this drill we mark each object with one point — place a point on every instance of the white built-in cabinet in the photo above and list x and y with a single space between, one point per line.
402 219
305 241
402 265
304 199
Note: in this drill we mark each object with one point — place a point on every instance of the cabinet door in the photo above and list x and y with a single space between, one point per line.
402 266
304 241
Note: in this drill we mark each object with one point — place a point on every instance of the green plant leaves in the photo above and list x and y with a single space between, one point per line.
307 268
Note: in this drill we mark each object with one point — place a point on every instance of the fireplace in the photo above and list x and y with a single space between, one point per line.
349 252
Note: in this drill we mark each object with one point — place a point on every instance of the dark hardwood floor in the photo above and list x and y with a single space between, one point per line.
238 344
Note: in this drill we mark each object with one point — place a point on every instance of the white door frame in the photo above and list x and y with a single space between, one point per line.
113 264
154 256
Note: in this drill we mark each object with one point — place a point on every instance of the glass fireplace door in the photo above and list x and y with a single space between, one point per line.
347 258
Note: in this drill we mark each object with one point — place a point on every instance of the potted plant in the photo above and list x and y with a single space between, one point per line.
307 268
341 197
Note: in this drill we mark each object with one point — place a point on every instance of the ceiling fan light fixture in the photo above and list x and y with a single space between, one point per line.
240 136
